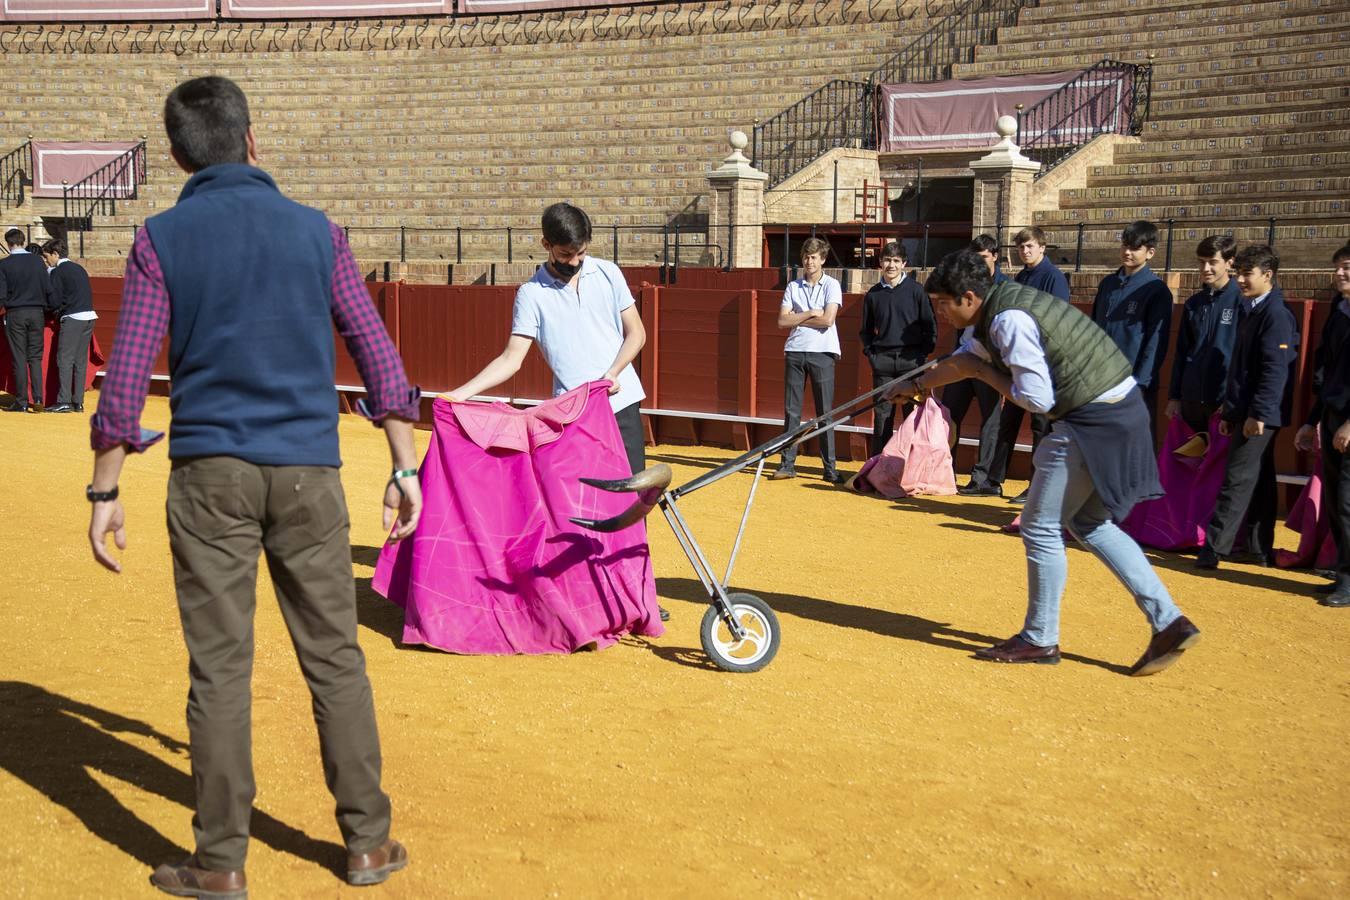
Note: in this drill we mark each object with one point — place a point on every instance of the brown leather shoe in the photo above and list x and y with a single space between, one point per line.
1017 650
378 865
1167 647
780 474
187 879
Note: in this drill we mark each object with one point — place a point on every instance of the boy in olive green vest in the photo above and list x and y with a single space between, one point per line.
1095 464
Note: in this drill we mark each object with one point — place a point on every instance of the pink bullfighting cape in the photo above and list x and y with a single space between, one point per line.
494 566
1177 520
916 460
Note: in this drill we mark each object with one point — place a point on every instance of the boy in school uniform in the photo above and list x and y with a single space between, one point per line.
1256 404
1329 421
580 312
1134 307
898 333
810 305
1040 274
1205 339
958 396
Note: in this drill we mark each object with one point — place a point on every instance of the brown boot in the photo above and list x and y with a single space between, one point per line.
187 879
1166 647
1016 650
378 865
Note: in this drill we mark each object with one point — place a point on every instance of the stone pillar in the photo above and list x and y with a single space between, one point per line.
736 216
1003 180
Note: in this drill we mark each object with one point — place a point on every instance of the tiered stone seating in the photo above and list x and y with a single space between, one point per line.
478 138
1248 120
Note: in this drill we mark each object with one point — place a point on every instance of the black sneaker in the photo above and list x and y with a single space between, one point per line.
17 407
1020 498
1207 559
78 407
61 408
980 490
835 478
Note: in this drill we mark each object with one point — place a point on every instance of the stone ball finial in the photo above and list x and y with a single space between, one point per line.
1006 126
738 140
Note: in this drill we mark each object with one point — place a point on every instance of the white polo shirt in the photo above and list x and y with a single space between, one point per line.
578 327
798 298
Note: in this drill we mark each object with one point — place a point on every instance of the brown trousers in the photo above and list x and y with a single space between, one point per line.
221 511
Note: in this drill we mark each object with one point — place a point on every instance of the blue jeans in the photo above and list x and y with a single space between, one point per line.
1063 496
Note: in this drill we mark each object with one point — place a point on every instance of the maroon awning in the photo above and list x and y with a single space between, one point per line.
945 115
72 161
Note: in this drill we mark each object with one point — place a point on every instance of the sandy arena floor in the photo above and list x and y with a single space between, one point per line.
874 757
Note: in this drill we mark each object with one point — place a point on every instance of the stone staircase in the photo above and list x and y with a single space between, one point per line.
1249 121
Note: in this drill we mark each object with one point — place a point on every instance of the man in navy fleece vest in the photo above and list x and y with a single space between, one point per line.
254 445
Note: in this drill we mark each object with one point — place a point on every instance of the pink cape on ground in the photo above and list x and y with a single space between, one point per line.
916 460
494 566
1177 520
1316 548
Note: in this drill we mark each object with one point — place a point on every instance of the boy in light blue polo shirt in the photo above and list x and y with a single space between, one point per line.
810 305
578 309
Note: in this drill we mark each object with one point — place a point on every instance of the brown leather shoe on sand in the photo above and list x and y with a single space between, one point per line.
187 879
1017 650
1167 647
378 865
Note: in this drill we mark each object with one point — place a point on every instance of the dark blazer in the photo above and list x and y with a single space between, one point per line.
1045 277
70 282
24 282
1331 366
1261 372
1209 325
1136 311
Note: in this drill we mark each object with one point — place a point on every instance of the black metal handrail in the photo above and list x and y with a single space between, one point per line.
98 192
844 113
16 172
1109 97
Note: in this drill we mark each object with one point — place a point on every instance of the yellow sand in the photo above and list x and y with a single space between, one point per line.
874 757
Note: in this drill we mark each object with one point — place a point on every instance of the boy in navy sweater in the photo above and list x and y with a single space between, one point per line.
1330 416
1134 307
898 333
1256 403
1041 274
1205 339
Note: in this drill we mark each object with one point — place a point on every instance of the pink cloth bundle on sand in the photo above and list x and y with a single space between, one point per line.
916 460
1177 520
494 566
1316 549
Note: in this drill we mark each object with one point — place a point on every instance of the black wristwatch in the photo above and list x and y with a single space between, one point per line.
100 496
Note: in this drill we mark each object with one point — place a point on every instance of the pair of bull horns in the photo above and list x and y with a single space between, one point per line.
649 485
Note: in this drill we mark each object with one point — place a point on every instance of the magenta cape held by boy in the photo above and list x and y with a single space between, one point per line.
1177 520
495 566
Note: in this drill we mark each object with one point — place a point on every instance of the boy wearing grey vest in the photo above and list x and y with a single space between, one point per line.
1096 463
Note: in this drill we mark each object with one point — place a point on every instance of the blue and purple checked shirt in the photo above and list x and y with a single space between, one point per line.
143 323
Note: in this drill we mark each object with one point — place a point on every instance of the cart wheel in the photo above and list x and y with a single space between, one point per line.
761 640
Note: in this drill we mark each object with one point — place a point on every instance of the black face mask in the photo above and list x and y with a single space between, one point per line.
566 270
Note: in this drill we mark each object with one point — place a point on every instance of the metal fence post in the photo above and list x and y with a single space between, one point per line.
1270 235
924 261
1078 257
731 242
616 245
834 198
402 244
665 252
1167 259
459 245
675 270
509 257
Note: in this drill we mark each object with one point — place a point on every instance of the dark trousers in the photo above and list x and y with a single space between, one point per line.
1249 492
221 512
1336 494
820 366
23 329
1197 415
957 397
886 367
72 358
1151 404
1009 426
634 441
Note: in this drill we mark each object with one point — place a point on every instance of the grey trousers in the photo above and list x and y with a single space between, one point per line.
72 358
820 366
1249 497
957 397
23 329
221 512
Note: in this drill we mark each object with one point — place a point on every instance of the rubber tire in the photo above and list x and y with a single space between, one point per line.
713 617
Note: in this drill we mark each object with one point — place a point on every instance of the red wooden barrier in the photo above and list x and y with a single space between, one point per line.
717 352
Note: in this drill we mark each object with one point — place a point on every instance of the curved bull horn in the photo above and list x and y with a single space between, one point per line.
649 484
